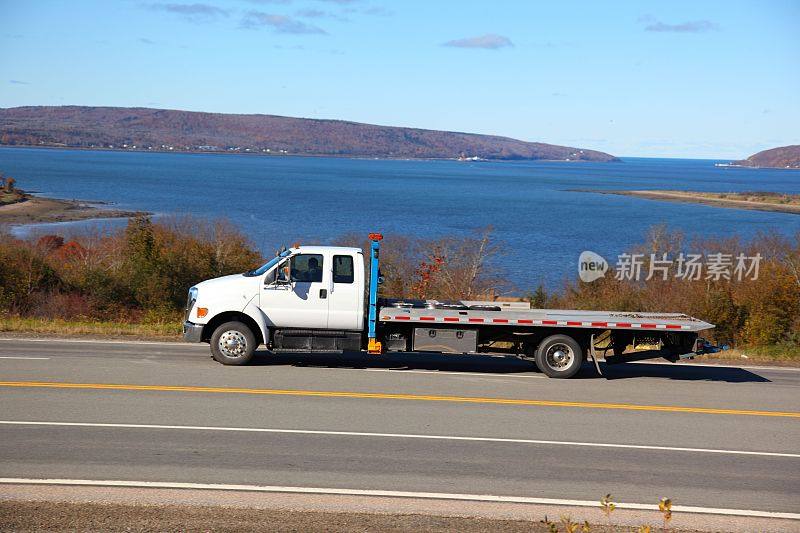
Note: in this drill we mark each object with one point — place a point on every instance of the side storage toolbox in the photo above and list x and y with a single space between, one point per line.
445 340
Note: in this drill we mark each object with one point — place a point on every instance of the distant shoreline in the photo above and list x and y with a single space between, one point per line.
754 167
278 155
40 210
729 200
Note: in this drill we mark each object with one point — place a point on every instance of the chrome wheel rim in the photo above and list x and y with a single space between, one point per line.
232 344
559 356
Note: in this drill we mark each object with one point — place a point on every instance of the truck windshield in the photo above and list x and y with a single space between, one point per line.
269 264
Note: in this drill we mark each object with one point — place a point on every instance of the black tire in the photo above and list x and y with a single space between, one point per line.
233 344
559 356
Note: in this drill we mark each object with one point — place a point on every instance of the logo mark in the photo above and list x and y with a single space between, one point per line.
591 266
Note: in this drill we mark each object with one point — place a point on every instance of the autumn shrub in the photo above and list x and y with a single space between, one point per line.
188 252
747 312
52 305
24 273
447 268
160 261
140 273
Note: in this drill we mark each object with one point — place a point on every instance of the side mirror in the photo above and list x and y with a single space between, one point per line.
282 276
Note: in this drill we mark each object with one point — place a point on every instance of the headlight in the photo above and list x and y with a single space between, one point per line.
190 301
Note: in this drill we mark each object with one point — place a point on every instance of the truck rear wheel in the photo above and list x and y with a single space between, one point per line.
233 344
559 356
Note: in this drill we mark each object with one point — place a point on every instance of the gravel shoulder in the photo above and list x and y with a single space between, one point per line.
60 516
47 508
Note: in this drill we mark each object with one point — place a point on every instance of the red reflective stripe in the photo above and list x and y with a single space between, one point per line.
524 321
648 326
674 326
500 320
476 320
451 319
573 323
623 324
402 317
552 322
427 318
600 324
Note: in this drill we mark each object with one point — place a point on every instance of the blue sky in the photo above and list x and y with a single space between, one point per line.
662 79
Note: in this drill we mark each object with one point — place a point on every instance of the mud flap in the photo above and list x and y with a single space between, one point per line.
593 355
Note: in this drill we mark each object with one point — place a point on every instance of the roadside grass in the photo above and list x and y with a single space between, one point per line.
777 353
157 330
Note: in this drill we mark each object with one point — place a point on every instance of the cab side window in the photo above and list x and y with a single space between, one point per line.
343 269
307 268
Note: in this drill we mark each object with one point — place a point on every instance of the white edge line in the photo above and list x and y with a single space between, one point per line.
391 494
399 436
21 357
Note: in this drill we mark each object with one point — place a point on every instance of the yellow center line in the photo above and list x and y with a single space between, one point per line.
387 396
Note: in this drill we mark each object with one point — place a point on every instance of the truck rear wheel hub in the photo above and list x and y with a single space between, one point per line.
559 356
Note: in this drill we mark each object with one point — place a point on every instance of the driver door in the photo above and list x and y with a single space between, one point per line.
295 295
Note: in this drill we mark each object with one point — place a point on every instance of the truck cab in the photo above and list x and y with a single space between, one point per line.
306 298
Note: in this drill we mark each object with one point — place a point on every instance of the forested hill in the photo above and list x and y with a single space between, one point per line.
782 157
163 129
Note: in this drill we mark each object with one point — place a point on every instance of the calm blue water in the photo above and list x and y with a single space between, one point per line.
277 200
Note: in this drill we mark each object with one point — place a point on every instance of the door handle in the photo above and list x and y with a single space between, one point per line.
323 293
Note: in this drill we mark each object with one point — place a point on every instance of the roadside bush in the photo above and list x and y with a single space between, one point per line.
187 252
447 268
24 272
747 312
140 273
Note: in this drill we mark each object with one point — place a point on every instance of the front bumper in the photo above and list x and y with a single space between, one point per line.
192 332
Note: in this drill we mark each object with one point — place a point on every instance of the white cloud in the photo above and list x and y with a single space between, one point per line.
489 41
692 26
278 23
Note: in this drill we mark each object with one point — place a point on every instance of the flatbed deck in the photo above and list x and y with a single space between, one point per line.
544 317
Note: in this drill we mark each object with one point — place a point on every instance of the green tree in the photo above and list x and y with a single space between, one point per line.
142 263
538 299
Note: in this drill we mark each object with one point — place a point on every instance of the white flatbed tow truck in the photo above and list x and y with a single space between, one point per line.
312 299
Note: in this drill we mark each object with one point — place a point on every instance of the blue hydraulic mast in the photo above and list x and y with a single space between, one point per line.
373 345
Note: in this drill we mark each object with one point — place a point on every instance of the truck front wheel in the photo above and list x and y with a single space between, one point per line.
559 356
233 344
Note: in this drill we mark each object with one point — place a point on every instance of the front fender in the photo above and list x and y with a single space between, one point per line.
252 310
249 315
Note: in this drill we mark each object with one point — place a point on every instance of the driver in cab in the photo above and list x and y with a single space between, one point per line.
313 273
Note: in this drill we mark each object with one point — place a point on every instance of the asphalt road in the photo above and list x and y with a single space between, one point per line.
719 437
